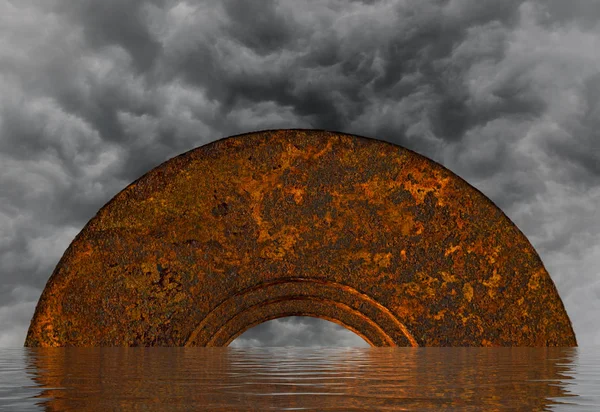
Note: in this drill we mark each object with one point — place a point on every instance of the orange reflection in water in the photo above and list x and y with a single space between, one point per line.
181 379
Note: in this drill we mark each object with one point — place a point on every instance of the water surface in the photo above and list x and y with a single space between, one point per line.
325 379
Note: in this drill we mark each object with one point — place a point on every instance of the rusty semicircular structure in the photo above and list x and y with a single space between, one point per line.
263 225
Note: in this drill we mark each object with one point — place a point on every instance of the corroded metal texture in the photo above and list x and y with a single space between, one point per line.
300 222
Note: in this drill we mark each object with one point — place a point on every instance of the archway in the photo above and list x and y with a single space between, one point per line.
299 332
276 223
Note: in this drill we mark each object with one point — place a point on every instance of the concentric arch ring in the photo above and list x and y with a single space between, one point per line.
301 306
345 305
266 224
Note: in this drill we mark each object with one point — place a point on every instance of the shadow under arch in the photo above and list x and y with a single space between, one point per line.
394 244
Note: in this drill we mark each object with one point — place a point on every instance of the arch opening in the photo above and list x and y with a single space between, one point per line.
299 331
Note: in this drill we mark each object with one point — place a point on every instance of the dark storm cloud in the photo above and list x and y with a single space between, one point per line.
582 156
332 64
109 22
504 93
583 13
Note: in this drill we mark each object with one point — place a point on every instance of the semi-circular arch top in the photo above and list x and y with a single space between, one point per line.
249 228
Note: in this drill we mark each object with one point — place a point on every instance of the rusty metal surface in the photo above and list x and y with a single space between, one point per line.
300 222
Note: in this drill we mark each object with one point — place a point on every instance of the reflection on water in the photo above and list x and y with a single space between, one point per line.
182 379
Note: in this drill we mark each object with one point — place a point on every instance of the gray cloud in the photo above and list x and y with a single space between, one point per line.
298 331
505 94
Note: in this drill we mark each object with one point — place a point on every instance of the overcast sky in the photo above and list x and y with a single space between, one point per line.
94 93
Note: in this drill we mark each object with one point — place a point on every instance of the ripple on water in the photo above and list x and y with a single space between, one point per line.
179 379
